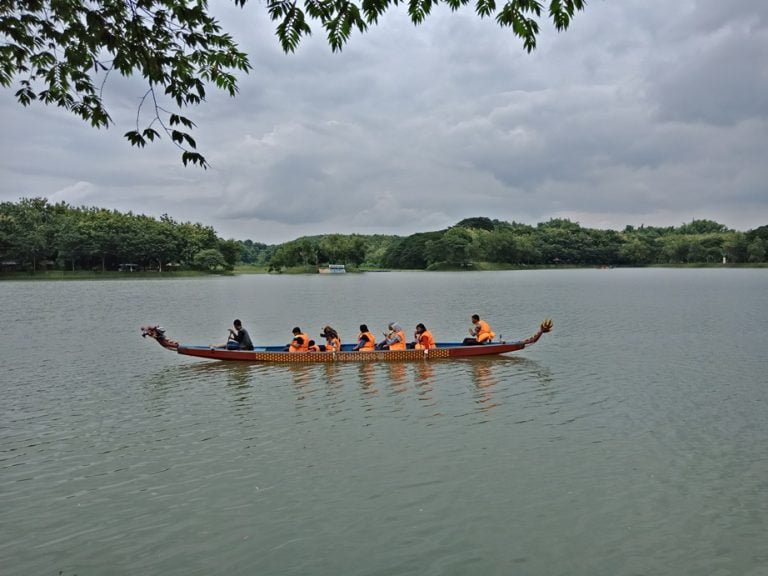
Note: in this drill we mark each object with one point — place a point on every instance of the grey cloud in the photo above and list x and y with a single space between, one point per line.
723 79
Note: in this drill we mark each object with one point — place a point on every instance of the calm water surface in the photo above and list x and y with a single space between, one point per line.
632 440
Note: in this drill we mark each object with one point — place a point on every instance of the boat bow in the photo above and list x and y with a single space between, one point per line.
158 334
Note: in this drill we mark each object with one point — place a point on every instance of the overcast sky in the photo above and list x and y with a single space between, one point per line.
643 112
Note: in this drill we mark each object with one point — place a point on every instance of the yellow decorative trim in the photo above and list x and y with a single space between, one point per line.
376 356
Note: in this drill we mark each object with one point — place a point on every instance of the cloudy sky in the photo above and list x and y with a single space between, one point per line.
644 112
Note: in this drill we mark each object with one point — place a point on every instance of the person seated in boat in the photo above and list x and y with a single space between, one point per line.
332 339
366 342
238 338
300 342
394 338
422 338
480 333
312 347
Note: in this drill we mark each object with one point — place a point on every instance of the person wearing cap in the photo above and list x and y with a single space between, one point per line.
394 338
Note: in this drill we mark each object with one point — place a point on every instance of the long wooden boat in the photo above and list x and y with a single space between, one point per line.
278 353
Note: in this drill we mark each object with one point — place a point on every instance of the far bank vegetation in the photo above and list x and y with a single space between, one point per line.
36 236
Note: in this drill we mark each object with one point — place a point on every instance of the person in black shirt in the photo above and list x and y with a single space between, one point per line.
239 339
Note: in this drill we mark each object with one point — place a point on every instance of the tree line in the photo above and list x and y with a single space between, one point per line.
476 243
36 234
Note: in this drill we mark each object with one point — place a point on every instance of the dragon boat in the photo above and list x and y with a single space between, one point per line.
278 354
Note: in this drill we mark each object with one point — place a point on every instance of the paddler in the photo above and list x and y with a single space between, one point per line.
366 342
394 338
423 339
332 339
300 342
480 333
238 338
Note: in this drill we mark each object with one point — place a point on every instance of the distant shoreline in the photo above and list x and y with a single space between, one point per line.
62 275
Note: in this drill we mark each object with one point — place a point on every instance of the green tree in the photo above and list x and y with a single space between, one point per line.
702 227
735 247
72 239
478 222
300 252
409 253
757 250
8 229
502 246
35 230
210 259
636 250
230 250
255 252
457 247
61 52
675 249
192 238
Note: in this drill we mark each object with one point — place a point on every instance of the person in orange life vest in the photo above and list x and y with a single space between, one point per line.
480 333
332 339
423 339
300 342
312 347
394 338
366 342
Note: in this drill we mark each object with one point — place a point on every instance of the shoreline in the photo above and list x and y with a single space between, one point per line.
62 275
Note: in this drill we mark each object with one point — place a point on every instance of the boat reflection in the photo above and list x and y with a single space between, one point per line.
367 377
424 378
235 374
398 376
496 380
485 381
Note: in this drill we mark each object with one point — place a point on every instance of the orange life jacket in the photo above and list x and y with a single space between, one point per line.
483 331
425 341
296 347
369 345
313 348
400 344
332 344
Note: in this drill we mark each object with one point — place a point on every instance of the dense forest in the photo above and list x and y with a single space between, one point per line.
37 235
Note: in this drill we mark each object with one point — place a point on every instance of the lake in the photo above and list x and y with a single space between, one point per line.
631 440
